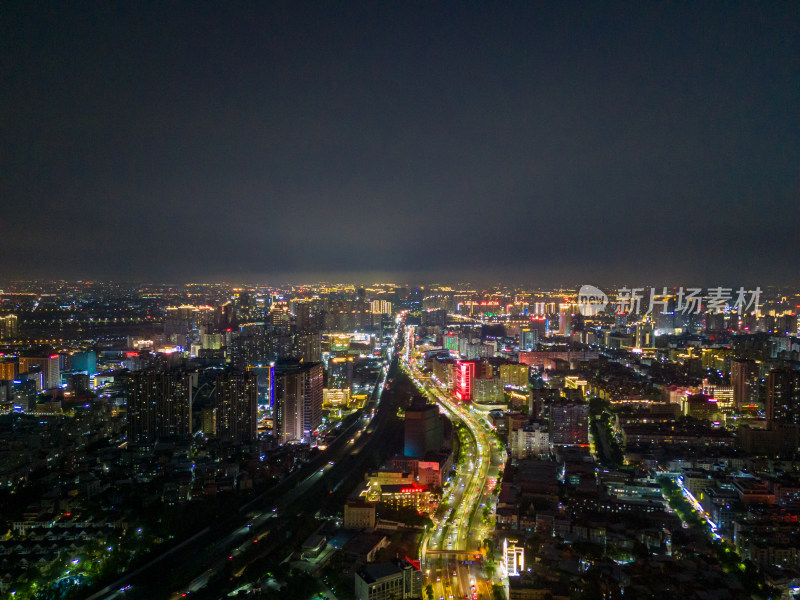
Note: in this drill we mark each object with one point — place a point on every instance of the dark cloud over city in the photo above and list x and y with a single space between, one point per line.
541 142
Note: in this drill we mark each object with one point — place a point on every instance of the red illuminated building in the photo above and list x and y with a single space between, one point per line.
465 373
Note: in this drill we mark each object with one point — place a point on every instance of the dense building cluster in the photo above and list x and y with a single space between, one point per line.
641 452
120 397
638 441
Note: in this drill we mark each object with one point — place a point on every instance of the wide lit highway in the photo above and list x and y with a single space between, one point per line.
451 551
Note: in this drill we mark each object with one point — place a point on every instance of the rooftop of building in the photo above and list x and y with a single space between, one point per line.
375 572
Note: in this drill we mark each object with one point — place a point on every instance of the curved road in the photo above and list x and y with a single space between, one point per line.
460 529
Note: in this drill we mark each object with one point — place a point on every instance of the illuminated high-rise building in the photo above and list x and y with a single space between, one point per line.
159 405
288 411
450 341
515 375
530 440
340 372
298 400
175 412
343 315
312 397
279 318
237 399
744 380
381 307
308 346
84 362
307 317
783 397
9 326
183 324
8 370
211 341
513 557
24 394
645 335
539 325
565 319
569 423
528 338
208 421
251 347
465 373
48 366
786 324
248 308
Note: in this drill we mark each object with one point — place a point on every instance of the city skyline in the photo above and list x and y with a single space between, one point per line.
383 441
383 300
418 142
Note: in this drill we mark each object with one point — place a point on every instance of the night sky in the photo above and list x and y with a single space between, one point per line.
543 143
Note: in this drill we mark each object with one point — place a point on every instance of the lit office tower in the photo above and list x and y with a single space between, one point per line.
48 366
279 319
8 369
84 362
744 380
528 338
564 319
298 400
8 326
423 430
211 341
159 405
783 397
569 423
24 394
340 372
645 335
237 397
540 325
